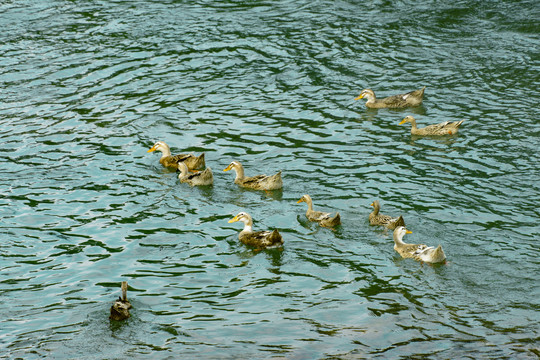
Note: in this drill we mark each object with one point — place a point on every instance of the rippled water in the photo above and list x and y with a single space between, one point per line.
88 86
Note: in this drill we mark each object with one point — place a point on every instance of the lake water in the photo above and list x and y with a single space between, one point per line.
88 86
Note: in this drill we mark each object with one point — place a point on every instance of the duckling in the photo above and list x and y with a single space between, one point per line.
413 98
418 252
379 219
324 219
257 182
445 128
200 178
193 162
258 239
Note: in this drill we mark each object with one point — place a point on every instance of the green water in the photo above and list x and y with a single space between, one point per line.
88 86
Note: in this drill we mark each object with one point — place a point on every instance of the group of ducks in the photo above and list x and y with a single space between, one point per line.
419 252
188 166
413 98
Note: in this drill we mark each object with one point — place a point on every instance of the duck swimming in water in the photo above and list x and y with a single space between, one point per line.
257 182
258 239
200 178
324 219
445 128
193 162
413 98
420 252
375 218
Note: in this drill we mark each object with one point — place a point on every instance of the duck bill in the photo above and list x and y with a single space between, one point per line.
361 96
372 204
402 122
299 201
228 168
234 219
409 232
153 148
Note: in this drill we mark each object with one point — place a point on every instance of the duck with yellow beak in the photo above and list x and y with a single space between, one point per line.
420 252
444 128
257 182
257 239
192 162
413 98
324 219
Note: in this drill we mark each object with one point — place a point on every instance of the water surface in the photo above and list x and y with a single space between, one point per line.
88 87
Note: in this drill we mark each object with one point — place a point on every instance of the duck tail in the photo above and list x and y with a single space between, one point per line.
275 237
331 221
439 255
201 160
396 223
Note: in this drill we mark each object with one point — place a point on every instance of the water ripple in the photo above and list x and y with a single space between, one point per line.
88 88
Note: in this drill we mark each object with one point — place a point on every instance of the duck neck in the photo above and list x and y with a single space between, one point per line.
376 208
309 203
248 226
239 172
398 239
165 151
413 124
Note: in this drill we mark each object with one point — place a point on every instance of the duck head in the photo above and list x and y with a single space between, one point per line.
366 93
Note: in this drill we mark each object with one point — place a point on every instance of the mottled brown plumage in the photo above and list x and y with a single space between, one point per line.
257 182
413 98
192 162
445 128
120 308
375 218
200 178
324 219
257 239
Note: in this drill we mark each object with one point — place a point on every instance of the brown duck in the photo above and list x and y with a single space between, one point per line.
413 98
375 218
445 128
257 182
257 239
120 308
193 162
200 178
324 219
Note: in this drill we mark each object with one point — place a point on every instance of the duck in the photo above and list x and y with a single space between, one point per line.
193 162
420 252
120 308
200 178
324 219
386 220
413 98
445 128
257 182
257 239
